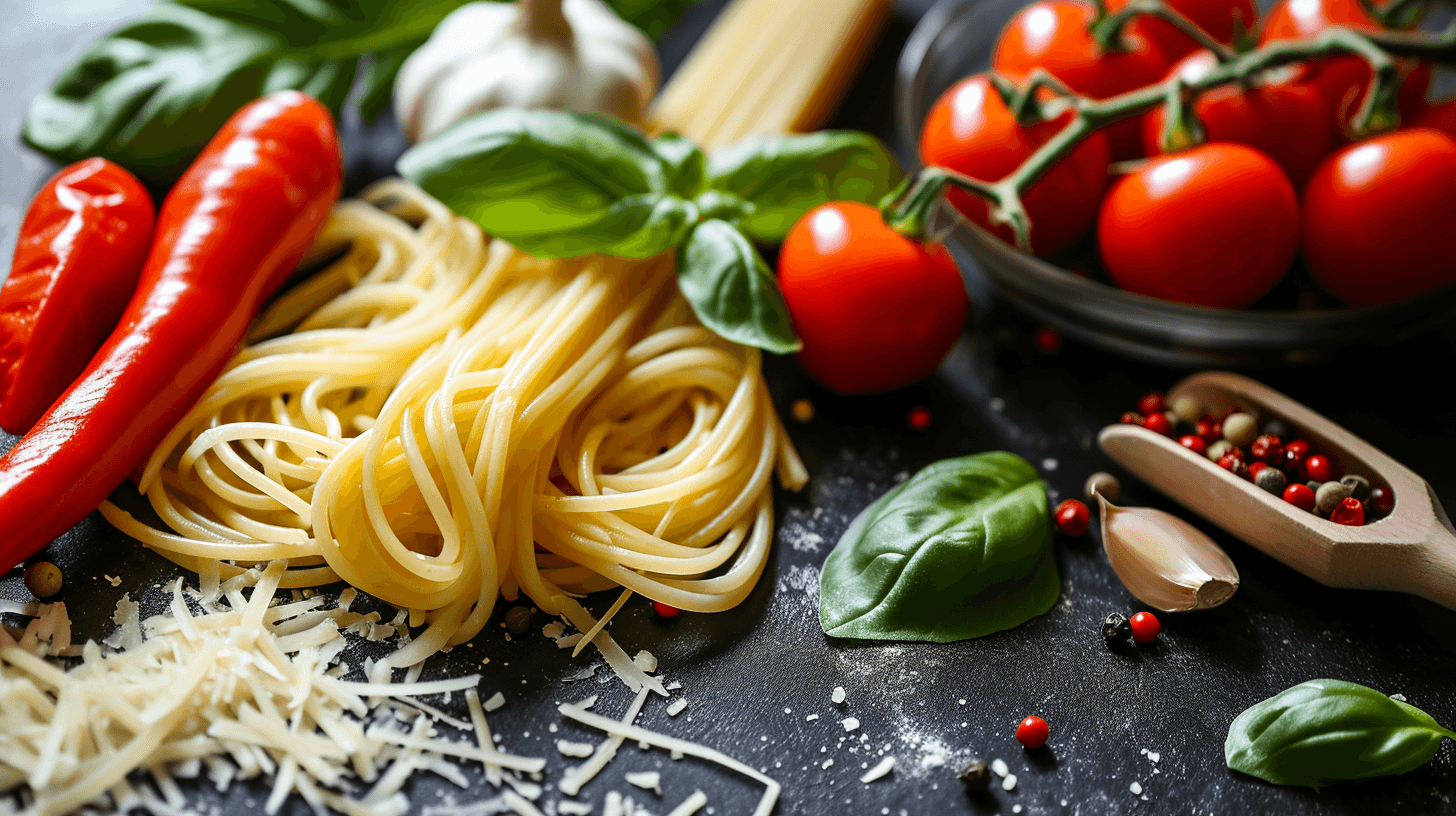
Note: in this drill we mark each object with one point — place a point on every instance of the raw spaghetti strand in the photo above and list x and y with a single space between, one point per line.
438 420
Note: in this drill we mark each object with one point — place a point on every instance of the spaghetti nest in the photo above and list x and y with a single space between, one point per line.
437 419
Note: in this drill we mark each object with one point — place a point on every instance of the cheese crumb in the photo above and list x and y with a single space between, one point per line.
811 718
646 780
1154 756
575 749
1009 782
676 707
838 696
998 766
496 701
645 661
850 723
825 765
1136 788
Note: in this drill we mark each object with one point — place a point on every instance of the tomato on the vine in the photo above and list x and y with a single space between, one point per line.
1342 80
1379 216
1439 116
1216 226
1224 20
1053 34
1286 120
876 310
970 130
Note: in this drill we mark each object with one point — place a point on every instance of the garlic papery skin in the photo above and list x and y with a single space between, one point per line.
560 54
1164 561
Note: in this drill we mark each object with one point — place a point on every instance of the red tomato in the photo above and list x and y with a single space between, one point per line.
1288 121
1379 216
876 310
1342 80
1440 116
1224 20
1052 34
970 130
1216 225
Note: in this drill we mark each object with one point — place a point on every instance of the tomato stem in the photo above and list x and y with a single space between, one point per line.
907 208
1107 30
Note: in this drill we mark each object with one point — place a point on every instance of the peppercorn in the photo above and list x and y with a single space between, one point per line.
1254 468
1188 409
1382 501
1103 484
1047 340
1152 402
975 776
1145 627
664 611
43 579
1294 453
1317 468
1234 464
1359 485
1211 430
1158 423
1115 627
1240 429
1277 427
919 418
1267 448
1194 443
1072 517
1313 485
1300 496
1218 449
1270 479
1132 418
1032 732
518 620
1329 496
1350 512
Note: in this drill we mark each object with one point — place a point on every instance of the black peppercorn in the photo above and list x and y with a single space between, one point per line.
1277 427
518 620
1116 627
975 776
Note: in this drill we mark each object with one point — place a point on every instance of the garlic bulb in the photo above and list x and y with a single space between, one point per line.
1164 561
571 55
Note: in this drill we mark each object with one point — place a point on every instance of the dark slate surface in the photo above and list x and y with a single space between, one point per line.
752 676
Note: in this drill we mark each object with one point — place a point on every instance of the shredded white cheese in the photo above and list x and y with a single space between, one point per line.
575 749
676 707
690 805
646 780
880 771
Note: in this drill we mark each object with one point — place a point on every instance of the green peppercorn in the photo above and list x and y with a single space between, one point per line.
1115 627
43 579
975 776
1240 429
518 620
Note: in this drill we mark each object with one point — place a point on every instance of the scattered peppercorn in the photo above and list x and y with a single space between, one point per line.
1194 443
518 620
1132 418
802 410
1317 468
1115 627
1275 426
919 418
1187 408
664 611
1104 484
1032 732
1072 517
1234 463
1270 479
1145 627
1359 486
43 579
1216 451
1300 496
1350 511
1152 402
1240 429
1210 430
975 776
1267 448
1382 502
1329 496
1294 453
1047 340
1158 423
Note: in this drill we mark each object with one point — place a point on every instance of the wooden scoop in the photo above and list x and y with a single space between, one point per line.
1411 550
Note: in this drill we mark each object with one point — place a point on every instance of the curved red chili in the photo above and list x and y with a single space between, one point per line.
230 232
81 248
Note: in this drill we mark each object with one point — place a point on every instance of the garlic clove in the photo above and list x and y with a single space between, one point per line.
1164 561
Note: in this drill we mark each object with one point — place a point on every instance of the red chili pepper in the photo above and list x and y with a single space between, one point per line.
81 248
230 232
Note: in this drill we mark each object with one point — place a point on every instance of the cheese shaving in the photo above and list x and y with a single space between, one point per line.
880 771
690 805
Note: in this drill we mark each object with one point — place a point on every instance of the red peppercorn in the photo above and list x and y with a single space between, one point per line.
919 418
1210 430
1382 501
1317 468
1267 448
1234 463
1158 423
1132 418
1350 511
1152 402
1032 732
1193 443
1254 470
664 611
1072 517
1300 496
1046 340
1145 627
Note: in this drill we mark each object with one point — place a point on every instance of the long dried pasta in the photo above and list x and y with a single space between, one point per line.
438 419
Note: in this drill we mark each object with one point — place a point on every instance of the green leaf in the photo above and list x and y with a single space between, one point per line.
959 550
152 93
1324 731
782 177
554 183
685 162
731 289
654 17
379 81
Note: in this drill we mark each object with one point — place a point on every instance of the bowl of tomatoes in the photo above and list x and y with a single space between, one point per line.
1257 247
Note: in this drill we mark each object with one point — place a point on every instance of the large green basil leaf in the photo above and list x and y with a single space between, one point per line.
1324 731
960 550
151 94
782 177
732 290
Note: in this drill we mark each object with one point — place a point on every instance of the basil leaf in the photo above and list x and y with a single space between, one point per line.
654 17
379 81
783 177
686 165
732 290
960 550
1324 731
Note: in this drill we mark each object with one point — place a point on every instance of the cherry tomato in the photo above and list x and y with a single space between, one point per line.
970 130
1032 732
876 310
1440 116
1342 80
1052 34
1216 225
1379 216
1286 120
1224 20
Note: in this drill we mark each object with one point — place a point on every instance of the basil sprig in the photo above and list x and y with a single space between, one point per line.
562 184
960 550
151 94
1324 731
